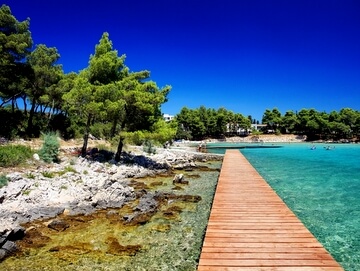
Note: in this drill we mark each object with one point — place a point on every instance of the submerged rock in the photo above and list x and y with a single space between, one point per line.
179 179
83 186
58 225
116 248
7 241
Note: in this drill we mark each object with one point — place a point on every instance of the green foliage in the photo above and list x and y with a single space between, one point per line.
103 147
13 155
48 174
72 162
149 146
15 37
256 132
101 130
135 138
30 175
163 131
45 75
202 122
106 98
3 180
67 169
62 124
50 148
183 134
26 192
160 132
12 123
70 169
15 45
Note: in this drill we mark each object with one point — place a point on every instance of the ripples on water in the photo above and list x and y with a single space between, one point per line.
322 187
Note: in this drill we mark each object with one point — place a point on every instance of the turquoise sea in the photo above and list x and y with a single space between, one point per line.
321 186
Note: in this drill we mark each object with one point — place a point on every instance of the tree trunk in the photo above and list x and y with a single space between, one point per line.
119 149
30 120
13 106
121 141
86 136
25 105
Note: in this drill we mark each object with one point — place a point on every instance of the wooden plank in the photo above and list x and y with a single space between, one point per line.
270 263
251 228
266 255
258 268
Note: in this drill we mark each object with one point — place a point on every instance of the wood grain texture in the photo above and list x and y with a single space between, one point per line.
251 228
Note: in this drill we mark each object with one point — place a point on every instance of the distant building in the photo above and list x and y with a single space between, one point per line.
258 127
168 117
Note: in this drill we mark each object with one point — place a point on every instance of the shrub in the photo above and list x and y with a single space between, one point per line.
135 138
67 169
149 147
101 130
163 131
103 147
48 174
13 123
26 192
3 180
50 148
62 123
30 175
13 155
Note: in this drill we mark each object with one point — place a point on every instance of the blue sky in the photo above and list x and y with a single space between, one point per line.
244 55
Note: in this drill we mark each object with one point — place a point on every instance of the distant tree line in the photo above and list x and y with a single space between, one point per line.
204 123
109 101
105 99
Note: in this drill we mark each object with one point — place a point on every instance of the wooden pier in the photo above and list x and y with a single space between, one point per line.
251 228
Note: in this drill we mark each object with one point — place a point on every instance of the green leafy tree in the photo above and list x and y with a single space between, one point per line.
15 46
46 74
107 91
164 131
80 101
312 123
183 131
289 122
350 118
243 122
94 87
52 101
222 118
142 102
272 118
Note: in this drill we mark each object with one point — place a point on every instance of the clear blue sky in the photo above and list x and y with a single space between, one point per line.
244 55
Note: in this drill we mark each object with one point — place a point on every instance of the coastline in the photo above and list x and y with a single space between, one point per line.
268 139
193 145
81 186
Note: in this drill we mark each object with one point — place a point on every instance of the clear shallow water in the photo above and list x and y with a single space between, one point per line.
321 186
167 243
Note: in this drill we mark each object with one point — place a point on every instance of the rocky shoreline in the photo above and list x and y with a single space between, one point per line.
81 186
269 139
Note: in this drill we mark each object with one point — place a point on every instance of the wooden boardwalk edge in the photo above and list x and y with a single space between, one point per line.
251 228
